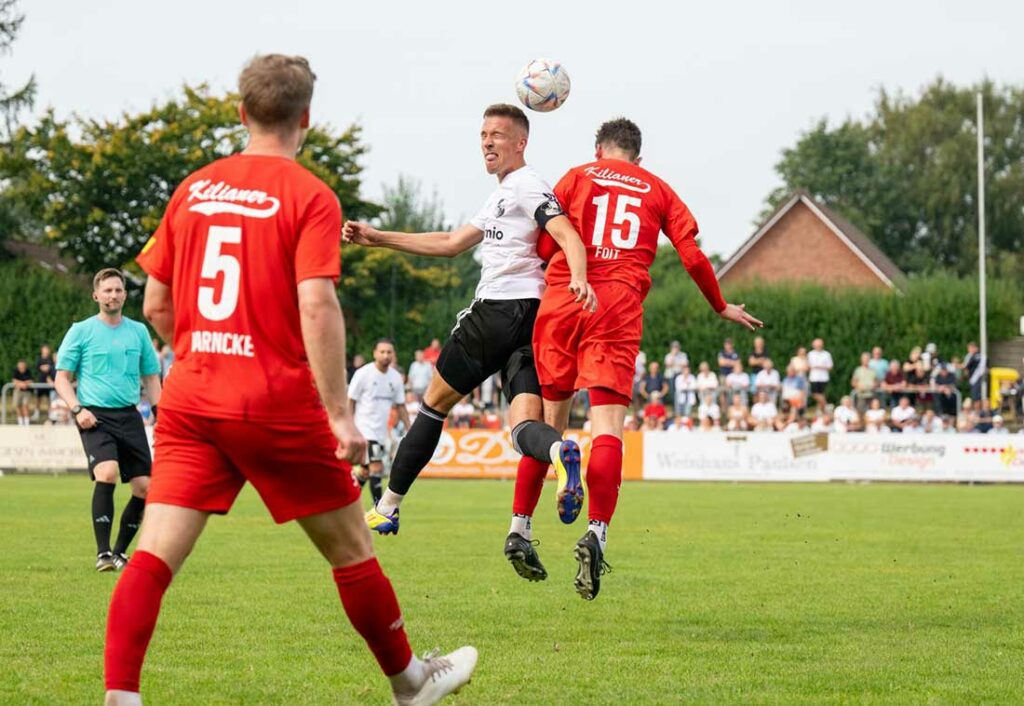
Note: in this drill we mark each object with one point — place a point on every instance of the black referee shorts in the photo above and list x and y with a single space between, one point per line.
492 335
119 436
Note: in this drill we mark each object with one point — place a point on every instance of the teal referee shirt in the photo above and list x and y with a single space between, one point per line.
108 361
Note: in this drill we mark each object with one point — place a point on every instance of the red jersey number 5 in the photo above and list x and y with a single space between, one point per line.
215 262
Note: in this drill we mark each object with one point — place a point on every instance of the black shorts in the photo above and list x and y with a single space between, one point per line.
492 335
120 436
818 388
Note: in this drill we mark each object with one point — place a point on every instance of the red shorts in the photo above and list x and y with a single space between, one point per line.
202 463
574 349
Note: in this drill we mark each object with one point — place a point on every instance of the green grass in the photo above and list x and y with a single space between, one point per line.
783 594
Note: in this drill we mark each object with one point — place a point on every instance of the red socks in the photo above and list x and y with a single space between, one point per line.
604 476
134 608
372 608
529 484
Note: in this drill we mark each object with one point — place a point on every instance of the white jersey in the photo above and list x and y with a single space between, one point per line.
509 219
375 393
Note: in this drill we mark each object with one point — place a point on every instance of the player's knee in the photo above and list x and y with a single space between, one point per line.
106 472
140 486
440 395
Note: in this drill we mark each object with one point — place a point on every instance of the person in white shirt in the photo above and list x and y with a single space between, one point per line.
902 412
846 416
675 359
495 332
375 390
685 392
707 384
768 380
874 417
997 426
420 373
737 382
820 362
763 413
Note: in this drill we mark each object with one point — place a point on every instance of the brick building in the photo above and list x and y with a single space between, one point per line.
806 241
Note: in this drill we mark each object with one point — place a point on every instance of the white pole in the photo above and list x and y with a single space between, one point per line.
983 327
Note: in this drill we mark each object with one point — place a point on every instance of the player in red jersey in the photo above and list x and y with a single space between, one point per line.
619 209
242 273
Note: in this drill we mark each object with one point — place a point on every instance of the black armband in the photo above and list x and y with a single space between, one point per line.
548 210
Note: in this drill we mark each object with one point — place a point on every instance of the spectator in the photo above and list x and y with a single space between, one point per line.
794 389
919 380
59 413
757 357
412 407
911 362
639 366
931 423
820 362
462 414
794 423
685 392
846 416
864 381
983 414
822 421
653 382
948 425
682 423
45 367
944 381
763 413
432 352
166 361
709 410
894 386
710 423
24 397
675 360
738 414
878 363
930 357
727 358
358 361
901 413
913 426
799 362
875 416
975 369
655 414
707 383
967 421
768 380
737 382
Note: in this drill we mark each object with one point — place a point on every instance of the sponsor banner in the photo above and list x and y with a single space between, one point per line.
883 457
481 453
41 448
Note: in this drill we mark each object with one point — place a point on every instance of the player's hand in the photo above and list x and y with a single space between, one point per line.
351 444
86 419
737 313
584 293
359 233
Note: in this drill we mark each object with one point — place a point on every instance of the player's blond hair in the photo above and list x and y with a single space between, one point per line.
504 110
276 89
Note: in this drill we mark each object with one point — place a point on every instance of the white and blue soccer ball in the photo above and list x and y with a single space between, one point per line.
543 85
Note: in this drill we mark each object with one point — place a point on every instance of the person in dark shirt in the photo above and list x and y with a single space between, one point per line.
727 358
44 374
757 357
945 384
23 395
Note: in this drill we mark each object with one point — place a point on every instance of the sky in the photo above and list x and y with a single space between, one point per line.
719 89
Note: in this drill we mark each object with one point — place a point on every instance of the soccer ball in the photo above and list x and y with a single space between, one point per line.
543 85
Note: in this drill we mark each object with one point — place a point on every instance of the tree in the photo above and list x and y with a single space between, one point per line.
13 102
101 186
907 175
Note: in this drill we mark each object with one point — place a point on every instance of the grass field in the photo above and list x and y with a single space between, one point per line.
720 593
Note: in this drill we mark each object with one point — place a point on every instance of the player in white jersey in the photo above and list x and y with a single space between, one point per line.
374 390
494 333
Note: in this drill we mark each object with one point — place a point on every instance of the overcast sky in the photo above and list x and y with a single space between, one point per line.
719 89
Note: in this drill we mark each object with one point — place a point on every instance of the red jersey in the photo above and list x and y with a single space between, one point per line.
237 237
619 209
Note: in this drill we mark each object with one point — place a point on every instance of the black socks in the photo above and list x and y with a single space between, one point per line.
102 514
416 449
131 518
535 439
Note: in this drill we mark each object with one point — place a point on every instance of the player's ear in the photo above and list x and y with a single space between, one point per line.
242 117
638 160
598 152
304 120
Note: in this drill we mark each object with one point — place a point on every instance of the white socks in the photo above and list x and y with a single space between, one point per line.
410 680
601 530
522 525
389 502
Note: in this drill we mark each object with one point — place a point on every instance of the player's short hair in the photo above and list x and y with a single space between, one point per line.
621 133
276 89
504 110
107 273
386 340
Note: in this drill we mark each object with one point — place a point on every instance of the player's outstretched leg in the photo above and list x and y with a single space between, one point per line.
372 608
520 545
604 477
167 538
544 443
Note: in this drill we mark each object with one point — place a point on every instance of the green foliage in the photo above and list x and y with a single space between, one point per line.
38 307
101 187
942 309
907 175
787 594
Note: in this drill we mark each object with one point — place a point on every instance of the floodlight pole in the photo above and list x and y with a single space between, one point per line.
983 327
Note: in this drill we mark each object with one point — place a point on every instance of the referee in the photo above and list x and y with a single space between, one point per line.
108 353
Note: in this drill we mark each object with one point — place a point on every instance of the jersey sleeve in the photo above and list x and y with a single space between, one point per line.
399 390
479 221
150 363
157 256
538 200
355 387
681 228
318 252
69 355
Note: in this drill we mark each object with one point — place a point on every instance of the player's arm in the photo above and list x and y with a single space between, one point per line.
560 228
151 383
323 334
436 244
158 308
403 415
